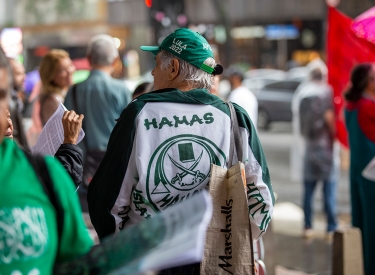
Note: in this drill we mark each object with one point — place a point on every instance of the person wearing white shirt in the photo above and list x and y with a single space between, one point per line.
243 96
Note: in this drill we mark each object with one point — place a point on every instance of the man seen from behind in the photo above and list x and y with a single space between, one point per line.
162 146
100 98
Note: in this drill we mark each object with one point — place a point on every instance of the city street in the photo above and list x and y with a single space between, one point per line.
285 246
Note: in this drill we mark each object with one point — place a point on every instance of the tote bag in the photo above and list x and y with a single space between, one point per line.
228 247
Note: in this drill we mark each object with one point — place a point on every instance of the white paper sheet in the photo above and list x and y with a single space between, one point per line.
185 227
369 171
52 135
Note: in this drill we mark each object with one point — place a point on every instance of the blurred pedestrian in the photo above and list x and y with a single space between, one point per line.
16 103
162 146
32 79
141 89
242 95
56 73
360 123
100 98
313 104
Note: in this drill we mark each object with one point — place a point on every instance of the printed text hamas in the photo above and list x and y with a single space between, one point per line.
207 118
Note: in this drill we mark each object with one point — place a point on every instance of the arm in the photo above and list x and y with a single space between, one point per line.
105 187
329 118
69 154
71 158
259 188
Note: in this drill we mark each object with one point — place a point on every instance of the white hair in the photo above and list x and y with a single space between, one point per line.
196 77
102 50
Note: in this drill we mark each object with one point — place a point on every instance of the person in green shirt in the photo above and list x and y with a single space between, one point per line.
29 242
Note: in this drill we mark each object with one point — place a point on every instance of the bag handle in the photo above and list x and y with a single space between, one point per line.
236 141
235 137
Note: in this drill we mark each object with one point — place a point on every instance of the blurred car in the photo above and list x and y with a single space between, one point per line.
275 101
266 73
255 84
258 78
298 73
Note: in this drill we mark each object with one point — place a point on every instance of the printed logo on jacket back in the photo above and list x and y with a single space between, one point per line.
179 168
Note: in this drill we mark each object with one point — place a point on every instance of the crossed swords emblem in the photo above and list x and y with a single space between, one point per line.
198 176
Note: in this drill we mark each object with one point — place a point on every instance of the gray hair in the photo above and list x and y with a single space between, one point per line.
196 77
102 50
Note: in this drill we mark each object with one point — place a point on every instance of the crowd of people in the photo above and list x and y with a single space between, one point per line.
180 119
143 156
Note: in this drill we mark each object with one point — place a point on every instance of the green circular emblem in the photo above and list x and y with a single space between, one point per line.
179 167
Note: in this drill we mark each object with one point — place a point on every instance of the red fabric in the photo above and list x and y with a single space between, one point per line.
366 118
344 50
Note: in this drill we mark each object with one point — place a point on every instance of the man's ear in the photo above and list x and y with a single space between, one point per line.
174 69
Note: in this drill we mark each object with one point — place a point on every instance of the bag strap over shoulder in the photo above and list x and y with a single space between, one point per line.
235 137
41 170
236 141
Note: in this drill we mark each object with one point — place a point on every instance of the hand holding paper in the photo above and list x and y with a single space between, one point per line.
72 124
52 135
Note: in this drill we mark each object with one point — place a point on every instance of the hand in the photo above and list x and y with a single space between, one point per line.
72 124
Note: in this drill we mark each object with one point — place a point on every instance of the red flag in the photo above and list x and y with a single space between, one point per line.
344 50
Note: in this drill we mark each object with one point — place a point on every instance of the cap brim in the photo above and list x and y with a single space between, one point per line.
218 70
153 49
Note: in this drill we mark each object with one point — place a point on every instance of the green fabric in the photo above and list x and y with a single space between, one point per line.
102 197
187 45
28 227
362 190
255 145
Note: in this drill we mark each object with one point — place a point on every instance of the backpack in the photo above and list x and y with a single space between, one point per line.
311 117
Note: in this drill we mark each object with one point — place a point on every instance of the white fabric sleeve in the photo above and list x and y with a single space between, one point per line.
258 194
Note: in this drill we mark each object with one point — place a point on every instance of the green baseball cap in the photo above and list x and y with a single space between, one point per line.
189 46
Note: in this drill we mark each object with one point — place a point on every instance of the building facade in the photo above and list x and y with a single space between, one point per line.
267 33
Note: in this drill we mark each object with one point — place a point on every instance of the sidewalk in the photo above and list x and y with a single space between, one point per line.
287 252
292 254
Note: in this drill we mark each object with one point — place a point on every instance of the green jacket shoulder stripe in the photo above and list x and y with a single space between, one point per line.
255 145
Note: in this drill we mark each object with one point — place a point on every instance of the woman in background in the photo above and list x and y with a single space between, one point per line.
56 74
360 123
